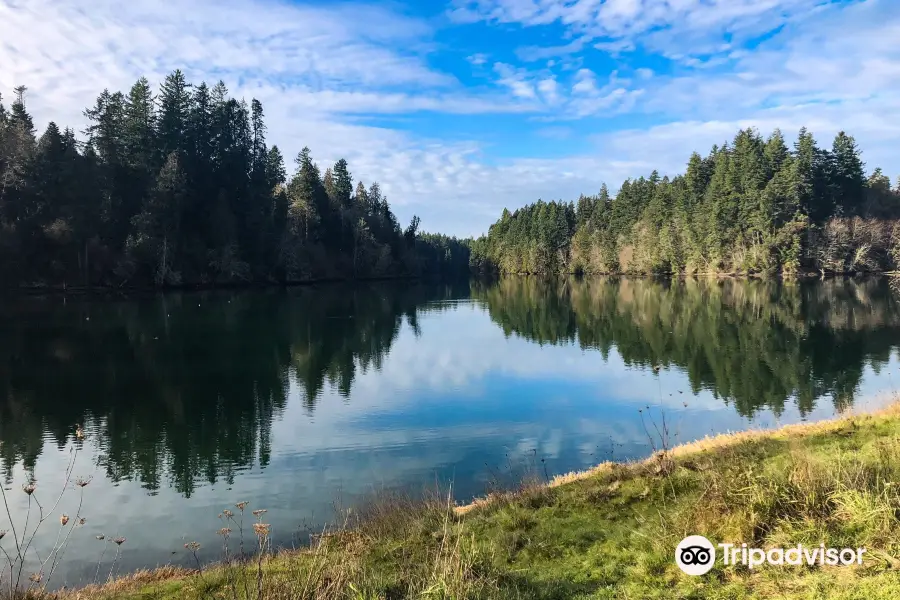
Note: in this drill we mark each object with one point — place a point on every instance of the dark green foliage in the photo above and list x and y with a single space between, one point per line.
181 189
750 206
533 239
754 343
149 349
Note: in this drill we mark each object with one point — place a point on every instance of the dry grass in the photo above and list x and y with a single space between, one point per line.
608 532
126 583
706 444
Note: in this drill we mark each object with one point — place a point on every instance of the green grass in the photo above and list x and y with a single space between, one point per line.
611 533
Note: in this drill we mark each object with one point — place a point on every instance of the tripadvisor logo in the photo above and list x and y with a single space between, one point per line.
696 555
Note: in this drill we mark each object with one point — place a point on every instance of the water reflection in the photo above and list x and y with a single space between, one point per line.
756 344
296 398
184 387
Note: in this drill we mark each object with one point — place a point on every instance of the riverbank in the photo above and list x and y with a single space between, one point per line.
110 290
606 533
107 290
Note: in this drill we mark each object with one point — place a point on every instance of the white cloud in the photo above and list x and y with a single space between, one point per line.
585 82
312 68
588 99
313 59
516 80
543 95
320 71
615 47
533 53
841 70
669 26
549 89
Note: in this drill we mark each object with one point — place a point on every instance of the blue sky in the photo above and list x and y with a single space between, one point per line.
460 108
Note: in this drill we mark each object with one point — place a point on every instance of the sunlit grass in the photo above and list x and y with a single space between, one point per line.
606 533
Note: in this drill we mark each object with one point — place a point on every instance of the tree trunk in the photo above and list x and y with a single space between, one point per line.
162 270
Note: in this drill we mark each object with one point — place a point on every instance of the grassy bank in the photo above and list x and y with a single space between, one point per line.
607 533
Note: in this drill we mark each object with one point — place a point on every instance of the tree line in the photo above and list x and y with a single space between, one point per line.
756 344
180 187
750 206
128 370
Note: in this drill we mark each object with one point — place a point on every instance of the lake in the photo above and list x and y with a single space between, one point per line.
302 399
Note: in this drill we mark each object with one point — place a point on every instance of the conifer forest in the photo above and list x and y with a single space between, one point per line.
177 186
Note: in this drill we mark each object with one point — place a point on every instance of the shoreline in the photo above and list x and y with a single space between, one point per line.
804 275
889 407
108 290
607 476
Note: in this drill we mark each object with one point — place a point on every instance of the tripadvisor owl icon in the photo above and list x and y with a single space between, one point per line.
695 555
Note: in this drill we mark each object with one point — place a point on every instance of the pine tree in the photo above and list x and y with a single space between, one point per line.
180 187
189 191
139 129
343 183
105 135
584 210
848 180
328 184
47 184
20 116
722 202
174 109
776 153
86 212
19 147
276 177
809 178
307 196
155 239
361 200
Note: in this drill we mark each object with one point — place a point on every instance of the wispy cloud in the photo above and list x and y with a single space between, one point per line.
534 53
313 68
672 27
575 96
517 80
441 125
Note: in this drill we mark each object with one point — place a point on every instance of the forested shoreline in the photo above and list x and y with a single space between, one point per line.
180 188
756 345
751 206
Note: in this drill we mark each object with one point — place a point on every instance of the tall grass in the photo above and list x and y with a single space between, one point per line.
850 496
611 532
29 571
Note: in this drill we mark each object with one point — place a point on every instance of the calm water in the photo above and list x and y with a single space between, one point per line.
297 400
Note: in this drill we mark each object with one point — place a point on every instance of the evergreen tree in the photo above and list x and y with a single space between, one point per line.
183 188
155 240
139 127
848 179
776 152
749 206
343 183
174 109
